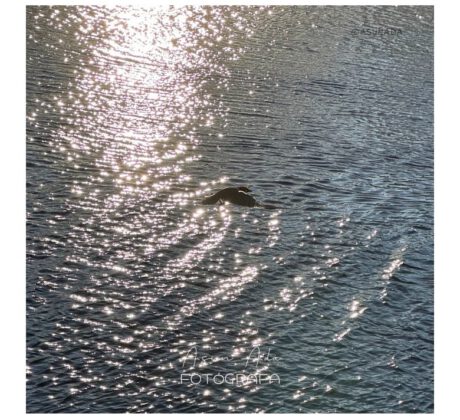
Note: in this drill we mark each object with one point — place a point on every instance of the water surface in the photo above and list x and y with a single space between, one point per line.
133 115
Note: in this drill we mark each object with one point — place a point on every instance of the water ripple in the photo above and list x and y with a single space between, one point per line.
135 114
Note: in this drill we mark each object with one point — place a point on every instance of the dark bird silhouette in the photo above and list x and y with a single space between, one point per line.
238 195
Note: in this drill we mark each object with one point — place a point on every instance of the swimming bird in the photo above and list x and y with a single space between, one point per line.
235 195
238 195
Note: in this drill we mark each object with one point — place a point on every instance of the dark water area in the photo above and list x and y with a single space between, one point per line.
140 299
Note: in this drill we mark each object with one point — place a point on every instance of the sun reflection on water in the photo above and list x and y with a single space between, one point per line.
133 112
144 82
132 116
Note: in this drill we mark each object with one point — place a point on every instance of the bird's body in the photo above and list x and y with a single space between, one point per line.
232 195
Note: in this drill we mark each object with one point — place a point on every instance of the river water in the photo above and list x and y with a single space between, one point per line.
139 299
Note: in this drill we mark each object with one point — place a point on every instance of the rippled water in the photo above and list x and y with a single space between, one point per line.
135 291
